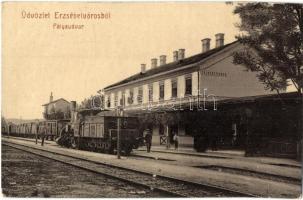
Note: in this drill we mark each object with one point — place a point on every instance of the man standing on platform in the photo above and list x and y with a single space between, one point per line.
37 131
176 141
43 136
148 140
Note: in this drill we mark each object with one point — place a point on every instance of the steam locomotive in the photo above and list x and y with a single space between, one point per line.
99 133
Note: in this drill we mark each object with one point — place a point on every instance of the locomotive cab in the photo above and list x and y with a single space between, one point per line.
99 133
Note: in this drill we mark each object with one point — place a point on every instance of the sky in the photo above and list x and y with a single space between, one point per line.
74 64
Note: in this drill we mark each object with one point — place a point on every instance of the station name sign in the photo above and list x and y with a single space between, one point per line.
74 19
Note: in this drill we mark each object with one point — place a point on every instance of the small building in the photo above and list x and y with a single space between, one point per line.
182 85
57 109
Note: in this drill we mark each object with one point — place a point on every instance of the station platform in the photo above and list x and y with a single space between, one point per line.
237 154
185 167
189 150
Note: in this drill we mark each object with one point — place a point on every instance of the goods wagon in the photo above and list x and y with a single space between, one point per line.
50 128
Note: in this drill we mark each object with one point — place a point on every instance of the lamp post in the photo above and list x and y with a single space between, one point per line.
119 114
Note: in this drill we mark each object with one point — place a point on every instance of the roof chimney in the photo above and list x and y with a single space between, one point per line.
181 54
175 55
205 44
143 68
219 39
162 60
51 98
154 63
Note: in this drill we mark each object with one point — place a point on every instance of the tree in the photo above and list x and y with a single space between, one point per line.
94 102
272 35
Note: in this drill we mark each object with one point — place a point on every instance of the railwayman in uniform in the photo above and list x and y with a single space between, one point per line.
148 139
43 136
37 131
176 140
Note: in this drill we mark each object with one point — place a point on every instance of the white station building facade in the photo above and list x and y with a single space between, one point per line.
210 74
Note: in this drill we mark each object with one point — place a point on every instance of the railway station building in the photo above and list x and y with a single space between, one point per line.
187 88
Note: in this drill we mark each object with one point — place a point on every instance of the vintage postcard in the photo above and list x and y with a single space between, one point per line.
151 99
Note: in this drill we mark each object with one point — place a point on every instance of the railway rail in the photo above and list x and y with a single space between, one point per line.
165 184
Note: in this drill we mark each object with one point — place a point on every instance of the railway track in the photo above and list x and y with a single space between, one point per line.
167 185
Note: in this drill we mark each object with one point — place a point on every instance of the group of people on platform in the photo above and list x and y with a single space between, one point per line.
63 133
43 133
148 139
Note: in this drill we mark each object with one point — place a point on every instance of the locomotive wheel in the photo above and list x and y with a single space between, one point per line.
93 145
127 151
108 148
102 147
73 143
85 147
98 147
111 150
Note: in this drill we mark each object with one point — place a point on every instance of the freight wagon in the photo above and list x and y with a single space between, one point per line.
50 128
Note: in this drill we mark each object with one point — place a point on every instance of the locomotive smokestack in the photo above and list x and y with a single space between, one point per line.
73 105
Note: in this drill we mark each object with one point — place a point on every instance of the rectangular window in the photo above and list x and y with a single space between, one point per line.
161 90
130 99
188 85
116 99
99 131
86 130
174 88
92 130
150 92
140 95
108 102
122 100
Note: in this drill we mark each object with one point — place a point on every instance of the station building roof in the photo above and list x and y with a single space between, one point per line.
173 65
61 99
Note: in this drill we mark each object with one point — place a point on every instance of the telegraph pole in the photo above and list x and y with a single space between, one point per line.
118 137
